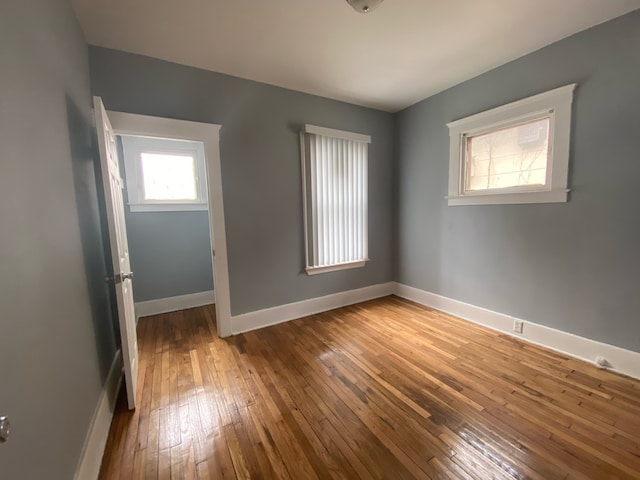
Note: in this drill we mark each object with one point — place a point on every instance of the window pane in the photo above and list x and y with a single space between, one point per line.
168 177
511 157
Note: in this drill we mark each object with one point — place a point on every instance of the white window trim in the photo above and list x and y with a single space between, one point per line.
555 104
328 132
336 267
132 146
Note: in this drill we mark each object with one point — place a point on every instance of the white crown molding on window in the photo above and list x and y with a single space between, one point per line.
519 108
283 313
333 133
173 304
96 441
555 104
620 360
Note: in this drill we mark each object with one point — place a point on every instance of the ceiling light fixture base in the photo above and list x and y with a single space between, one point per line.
364 6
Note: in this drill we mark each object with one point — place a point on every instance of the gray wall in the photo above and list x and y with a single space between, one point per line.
570 266
260 169
57 340
170 253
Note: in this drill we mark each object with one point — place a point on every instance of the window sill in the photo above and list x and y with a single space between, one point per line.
168 207
333 268
553 196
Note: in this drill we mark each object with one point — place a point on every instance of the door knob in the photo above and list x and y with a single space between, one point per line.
119 278
5 429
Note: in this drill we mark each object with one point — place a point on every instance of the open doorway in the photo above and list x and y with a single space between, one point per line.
200 137
167 222
188 152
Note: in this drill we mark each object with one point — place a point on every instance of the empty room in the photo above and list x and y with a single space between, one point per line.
337 239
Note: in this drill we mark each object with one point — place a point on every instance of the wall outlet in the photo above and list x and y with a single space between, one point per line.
518 325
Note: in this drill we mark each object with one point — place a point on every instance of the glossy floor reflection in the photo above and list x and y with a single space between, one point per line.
383 389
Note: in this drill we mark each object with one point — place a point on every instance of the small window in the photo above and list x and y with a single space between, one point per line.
516 153
164 175
334 170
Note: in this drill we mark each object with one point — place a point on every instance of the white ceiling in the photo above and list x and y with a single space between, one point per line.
404 51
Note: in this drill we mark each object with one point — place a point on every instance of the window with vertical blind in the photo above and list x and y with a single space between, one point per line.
334 176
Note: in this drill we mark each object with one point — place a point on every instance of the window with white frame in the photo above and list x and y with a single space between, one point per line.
164 175
334 174
516 153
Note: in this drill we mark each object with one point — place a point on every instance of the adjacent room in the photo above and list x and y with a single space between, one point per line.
339 239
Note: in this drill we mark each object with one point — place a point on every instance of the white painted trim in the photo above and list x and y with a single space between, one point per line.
554 105
173 304
167 207
209 134
335 267
93 450
331 132
283 313
620 360
133 147
523 106
549 196
307 210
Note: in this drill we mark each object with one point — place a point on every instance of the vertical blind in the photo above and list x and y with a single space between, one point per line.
335 171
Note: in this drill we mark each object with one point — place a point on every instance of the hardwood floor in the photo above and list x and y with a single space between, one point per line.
383 389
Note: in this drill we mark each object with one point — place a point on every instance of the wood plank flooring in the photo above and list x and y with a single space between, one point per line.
382 389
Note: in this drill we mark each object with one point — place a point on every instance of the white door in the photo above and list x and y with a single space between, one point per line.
122 277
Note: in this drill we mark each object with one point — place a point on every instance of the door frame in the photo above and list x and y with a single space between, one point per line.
209 134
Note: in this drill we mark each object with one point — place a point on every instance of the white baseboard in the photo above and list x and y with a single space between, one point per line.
620 360
173 304
93 450
283 313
